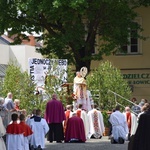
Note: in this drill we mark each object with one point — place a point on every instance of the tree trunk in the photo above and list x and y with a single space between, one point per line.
80 61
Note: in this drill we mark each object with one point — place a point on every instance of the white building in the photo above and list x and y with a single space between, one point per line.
19 54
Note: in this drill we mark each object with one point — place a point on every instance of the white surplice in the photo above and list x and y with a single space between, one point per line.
91 123
15 142
84 117
134 123
2 133
119 125
89 101
26 142
39 129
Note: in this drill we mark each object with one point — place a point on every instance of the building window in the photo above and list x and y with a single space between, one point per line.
133 46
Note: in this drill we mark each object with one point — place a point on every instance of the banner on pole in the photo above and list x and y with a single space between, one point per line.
40 68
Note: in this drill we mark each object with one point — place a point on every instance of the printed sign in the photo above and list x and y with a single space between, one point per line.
39 68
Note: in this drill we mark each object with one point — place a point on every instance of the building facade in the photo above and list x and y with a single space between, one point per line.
135 62
19 54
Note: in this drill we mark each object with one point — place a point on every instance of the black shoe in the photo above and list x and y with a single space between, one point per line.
112 141
120 140
129 136
39 148
92 137
31 147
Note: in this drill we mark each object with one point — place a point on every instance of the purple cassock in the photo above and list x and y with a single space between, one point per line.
75 129
54 112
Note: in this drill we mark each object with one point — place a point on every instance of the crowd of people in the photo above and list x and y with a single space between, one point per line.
19 131
74 123
70 126
59 124
132 125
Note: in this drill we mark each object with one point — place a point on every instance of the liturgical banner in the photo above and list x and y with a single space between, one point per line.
40 68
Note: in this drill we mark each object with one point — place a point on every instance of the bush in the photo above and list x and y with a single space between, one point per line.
104 78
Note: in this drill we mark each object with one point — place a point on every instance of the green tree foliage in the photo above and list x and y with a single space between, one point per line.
67 90
12 80
106 77
63 90
1 85
22 88
70 27
28 99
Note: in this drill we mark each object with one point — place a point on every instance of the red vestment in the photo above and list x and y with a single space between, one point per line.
129 120
75 129
17 108
54 112
78 112
67 113
14 128
26 128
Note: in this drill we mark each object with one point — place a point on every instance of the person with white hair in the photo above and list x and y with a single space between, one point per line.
2 107
131 120
4 113
142 102
17 106
9 104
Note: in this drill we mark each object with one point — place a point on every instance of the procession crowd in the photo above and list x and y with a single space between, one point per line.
73 123
61 124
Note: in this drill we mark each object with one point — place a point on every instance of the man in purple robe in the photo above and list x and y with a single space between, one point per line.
75 132
54 116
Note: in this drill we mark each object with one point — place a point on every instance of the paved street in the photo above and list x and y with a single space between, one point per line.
92 144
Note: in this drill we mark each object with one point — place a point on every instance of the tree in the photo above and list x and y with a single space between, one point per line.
70 27
1 86
21 86
54 85
105 78
12 80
